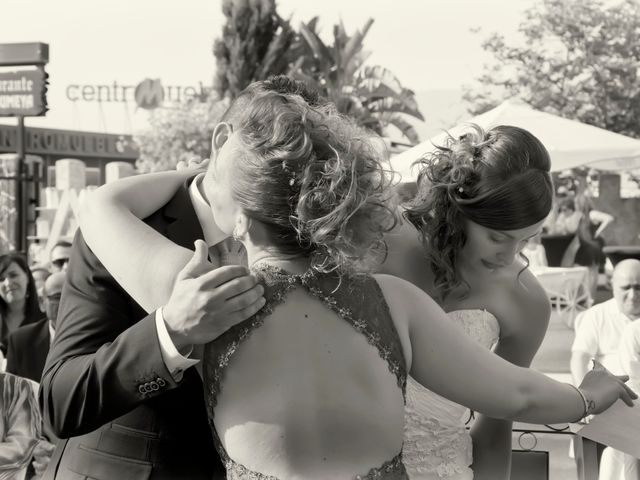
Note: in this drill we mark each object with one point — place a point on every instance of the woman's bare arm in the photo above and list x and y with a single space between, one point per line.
141 260
456 367
602 219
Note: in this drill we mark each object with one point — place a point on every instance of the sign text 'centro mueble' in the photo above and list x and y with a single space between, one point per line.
23 92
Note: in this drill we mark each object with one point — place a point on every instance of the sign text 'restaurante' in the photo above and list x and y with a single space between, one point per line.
23 93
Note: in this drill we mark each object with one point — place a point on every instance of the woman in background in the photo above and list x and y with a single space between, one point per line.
19 303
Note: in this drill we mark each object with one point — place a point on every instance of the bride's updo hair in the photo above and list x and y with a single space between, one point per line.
315 180
499 179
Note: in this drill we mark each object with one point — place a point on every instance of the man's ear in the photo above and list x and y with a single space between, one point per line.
242 226
221 134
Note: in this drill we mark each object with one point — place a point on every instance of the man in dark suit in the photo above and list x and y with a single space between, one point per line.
117 381
28 346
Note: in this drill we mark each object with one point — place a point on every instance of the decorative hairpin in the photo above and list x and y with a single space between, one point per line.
292 180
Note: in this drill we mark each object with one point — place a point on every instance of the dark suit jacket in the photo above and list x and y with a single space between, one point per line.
105 383
27 349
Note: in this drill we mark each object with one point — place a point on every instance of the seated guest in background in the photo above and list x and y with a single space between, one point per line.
630 361
20 426
60 256
40 274
28 346
18 296
599 333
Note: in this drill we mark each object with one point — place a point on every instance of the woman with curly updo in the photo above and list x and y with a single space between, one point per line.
313 385
480 198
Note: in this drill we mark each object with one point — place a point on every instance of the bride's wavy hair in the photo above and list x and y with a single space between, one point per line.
316 180
499 179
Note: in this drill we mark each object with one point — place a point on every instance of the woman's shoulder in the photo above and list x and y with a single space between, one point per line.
522 306
407 256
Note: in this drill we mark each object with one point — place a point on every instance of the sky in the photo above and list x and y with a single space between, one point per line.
428 44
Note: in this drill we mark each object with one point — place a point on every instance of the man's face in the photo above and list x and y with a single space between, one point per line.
60 258
626 289
52 293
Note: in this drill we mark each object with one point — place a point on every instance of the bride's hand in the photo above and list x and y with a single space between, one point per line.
194 163
602 389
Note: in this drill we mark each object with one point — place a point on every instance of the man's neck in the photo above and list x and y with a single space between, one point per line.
211 228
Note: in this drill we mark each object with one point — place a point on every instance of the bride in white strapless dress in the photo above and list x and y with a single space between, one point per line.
436 442
480 197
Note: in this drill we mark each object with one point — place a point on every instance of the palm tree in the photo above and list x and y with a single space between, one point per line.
372 95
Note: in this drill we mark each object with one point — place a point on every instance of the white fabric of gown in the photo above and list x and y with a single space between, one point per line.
437 444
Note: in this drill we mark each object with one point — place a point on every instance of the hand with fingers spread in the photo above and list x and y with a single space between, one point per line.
206 302
601 389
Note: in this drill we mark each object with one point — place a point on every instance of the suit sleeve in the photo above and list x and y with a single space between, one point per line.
104 361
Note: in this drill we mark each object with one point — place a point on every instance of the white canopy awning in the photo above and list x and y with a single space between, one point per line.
570 143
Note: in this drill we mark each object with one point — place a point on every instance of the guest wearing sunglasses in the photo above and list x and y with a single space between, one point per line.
60 256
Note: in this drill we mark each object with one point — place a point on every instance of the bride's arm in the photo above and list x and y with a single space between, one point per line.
523 325
133 252
445 360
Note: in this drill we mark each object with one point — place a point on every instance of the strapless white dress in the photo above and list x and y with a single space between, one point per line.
436 442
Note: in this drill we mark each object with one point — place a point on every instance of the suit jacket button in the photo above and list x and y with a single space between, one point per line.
142 389
161 382
154 385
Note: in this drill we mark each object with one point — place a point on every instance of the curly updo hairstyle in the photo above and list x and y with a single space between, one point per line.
499 179
315 180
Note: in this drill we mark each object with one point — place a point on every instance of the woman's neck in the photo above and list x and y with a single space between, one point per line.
293 263
16 307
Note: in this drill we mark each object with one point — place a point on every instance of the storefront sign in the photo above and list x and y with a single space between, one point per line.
42 141
148 94
23 92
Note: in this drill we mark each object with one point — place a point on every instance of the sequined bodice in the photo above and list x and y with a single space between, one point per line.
437 444
357 300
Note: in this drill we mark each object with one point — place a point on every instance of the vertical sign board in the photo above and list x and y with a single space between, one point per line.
23 93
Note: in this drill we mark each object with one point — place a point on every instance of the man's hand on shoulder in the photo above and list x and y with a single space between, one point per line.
206 302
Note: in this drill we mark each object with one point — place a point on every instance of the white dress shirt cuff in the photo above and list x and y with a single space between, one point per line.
175 362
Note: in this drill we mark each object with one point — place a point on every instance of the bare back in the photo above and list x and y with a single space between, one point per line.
313 386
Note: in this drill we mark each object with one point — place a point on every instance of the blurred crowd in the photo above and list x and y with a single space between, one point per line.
29 300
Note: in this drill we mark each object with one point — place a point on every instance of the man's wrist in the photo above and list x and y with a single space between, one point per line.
179 340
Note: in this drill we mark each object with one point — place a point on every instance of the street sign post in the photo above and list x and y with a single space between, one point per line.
23 93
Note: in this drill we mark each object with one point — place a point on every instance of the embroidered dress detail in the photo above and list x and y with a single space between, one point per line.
437 444
344 296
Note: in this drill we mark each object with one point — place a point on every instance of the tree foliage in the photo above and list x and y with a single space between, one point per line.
178 133
257 43
254 45
580 59
372 95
